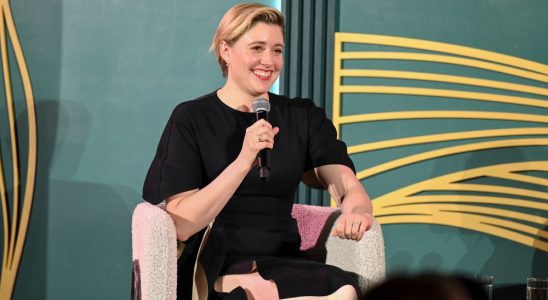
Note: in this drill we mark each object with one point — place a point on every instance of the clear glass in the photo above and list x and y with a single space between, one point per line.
486 282
537 288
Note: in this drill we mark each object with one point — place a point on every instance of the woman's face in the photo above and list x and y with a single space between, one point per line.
255 59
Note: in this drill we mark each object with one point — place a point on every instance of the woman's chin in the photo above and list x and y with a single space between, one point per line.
263 90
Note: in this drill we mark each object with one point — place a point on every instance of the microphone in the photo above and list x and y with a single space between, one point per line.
261 107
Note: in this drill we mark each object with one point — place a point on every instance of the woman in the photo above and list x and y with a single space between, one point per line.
205 170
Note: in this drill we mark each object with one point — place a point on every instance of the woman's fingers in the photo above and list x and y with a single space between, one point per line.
261 123
351 226
355 230
267 135
258 136
339 228
264 133
361 233
343 229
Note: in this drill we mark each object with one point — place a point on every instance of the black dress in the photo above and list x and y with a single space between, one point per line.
201 138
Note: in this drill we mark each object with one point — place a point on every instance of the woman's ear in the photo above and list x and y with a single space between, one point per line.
224 48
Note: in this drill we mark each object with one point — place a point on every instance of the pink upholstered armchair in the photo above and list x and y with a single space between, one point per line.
155 249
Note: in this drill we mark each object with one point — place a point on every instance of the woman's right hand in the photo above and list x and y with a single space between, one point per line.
258 136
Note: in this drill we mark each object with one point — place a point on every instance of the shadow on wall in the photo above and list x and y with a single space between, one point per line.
518 291
79 236
506 257
540 261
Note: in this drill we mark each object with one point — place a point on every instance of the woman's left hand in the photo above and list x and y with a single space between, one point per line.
352 225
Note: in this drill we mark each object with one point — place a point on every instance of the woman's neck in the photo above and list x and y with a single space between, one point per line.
237 99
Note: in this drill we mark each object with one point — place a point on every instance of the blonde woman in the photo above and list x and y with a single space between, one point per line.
205 170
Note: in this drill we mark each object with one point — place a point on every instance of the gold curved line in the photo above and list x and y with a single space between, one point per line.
5 214
443 137
337 66
469 212
435 58
384 204
541 165
7 284
32 137
13 136
379 205
448 151
462 209
31 119
501 85
5 222
476 96
445 48
474 226
441 114
522 178
400 195
516 227
469 187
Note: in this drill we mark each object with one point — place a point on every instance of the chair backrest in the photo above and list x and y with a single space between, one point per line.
314 224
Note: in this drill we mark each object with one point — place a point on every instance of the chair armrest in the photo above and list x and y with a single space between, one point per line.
154 249
365 258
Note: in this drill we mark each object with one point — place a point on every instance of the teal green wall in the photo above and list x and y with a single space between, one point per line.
106 75
511 27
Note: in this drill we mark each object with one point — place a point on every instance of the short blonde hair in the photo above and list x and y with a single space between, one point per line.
238 20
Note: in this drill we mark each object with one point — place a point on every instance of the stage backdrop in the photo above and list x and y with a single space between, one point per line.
444 105
468 77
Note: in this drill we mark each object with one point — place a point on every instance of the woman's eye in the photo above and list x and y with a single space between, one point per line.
257 48
278 51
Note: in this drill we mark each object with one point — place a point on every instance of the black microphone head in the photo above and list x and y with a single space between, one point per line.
260 104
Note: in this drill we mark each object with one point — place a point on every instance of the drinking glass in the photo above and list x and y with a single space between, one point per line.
486 282
537 288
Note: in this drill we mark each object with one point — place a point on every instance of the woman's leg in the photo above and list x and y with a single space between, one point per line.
346 292
256 287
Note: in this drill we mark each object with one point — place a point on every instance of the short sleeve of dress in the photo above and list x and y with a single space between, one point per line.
323 146
177 165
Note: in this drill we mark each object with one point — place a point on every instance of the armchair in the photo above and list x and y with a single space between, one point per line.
154 247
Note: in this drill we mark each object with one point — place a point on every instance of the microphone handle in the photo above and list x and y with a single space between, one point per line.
264 164
264 155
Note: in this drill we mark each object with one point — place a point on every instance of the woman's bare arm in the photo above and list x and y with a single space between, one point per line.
193 210
346 189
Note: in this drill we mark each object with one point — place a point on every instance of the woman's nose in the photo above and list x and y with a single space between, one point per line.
266 58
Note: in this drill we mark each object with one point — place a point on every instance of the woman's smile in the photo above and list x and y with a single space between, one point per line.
263 75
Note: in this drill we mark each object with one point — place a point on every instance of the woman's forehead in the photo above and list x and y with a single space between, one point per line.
264 33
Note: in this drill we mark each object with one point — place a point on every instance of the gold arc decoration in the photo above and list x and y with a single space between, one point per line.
517 214
396 90
479 64
448 151
452 49
15 232
495 215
